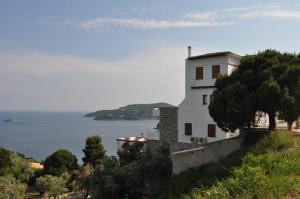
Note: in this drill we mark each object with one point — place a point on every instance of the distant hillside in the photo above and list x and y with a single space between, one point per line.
129 112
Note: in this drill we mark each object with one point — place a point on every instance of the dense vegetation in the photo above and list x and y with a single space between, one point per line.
138 173
269 169
267 82
130 112
15 173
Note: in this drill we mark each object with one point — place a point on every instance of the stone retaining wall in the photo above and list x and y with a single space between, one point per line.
211 152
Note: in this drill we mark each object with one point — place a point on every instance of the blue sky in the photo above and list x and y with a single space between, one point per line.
85 55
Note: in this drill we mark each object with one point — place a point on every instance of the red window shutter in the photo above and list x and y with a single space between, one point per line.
211 130
199 73
188 129
215 71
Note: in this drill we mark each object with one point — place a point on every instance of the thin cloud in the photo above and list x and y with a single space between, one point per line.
206 19
279 14
54 82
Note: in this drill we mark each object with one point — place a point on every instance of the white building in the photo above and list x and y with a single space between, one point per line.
201 72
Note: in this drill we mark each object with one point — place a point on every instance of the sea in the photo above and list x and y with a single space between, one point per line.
39 134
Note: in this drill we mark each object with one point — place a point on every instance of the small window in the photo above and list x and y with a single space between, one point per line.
199 73
211 98
188 129
215 71
211 130
204 99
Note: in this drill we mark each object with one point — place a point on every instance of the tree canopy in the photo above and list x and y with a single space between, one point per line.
267 82
59 162
93 150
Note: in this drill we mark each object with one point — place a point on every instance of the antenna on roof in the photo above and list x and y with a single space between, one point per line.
189 51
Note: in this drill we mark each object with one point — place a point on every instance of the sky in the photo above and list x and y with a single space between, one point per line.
86 55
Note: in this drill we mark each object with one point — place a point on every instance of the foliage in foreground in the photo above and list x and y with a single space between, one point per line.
51 185
11 188
270 169
136 174
14 164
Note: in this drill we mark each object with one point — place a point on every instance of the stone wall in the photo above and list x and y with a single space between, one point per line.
211 152
168 124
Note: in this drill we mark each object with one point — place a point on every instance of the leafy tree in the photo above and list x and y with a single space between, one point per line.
267 82
93 150
60 162
50 185
11 188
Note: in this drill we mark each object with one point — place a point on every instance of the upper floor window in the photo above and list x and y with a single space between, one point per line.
199 73
211 98
204 99
188 129
211 130
215 71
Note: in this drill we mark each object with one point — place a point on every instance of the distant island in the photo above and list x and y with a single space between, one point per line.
129 112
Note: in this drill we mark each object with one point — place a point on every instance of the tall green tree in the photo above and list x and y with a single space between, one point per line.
268 82
59 162
93 150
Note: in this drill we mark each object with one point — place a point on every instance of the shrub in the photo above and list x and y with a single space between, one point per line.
248 182
11 188
276 141
51 185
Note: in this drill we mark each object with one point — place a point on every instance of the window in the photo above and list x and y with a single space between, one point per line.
215 71
211 98
204 99
199 73
188 129
211 130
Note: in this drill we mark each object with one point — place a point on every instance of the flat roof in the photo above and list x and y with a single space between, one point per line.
216 54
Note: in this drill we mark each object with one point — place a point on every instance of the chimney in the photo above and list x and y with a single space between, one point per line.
189 51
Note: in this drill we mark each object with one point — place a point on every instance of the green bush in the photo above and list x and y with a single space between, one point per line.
285 163
276 141
217 191
248 182
11 188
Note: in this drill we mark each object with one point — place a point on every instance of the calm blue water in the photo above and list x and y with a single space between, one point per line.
38 134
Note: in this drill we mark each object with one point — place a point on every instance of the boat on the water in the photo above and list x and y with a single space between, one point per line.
8 120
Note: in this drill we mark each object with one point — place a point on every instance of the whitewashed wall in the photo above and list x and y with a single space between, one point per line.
192 110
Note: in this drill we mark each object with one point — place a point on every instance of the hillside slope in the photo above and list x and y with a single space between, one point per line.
129 112
269 169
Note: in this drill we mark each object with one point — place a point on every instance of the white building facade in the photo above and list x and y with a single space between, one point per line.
194 122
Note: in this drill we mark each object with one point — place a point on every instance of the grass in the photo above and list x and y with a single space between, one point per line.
268 169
